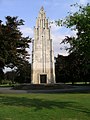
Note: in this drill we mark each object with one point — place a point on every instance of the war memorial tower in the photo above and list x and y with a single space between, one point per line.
43 70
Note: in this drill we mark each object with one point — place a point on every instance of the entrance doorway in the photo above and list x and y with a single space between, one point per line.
43 78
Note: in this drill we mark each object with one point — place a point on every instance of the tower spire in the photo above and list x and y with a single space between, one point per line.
41 20
42 8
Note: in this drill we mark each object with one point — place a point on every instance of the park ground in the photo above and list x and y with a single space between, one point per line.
46 106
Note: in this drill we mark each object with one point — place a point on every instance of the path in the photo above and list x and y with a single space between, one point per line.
79 89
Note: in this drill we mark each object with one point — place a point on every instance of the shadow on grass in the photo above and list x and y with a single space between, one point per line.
39 104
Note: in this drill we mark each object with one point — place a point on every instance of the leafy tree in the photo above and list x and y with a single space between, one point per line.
23 73
61 71
1 75
10 76
79 44
12 44
69 69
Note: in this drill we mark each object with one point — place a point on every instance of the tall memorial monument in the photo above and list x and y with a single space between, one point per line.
43 70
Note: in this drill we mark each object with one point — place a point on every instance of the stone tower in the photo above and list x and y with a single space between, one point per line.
43 70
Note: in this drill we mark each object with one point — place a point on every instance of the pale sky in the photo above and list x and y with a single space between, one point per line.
28 11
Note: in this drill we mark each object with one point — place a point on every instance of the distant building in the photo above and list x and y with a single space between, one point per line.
43 70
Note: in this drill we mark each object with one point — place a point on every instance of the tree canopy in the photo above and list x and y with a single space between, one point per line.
79 22
12 44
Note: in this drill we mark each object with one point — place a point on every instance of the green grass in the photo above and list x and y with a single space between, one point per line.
44 106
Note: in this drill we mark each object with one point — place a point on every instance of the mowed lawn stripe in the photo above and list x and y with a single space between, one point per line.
44 106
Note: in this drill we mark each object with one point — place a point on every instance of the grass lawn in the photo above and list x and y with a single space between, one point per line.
44 106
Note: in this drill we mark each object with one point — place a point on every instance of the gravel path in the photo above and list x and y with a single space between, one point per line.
77 89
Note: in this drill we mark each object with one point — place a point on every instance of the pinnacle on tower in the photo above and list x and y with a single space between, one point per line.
42 14
42 8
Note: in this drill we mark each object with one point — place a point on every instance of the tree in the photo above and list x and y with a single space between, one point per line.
12 44
61 69
10 76
79 44
23 73
1 75
69 69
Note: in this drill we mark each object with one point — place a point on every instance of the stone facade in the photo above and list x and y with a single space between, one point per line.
43 70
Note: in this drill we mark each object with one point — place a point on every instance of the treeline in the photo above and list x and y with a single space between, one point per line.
71 69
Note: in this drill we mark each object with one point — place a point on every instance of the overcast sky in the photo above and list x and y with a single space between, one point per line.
28 11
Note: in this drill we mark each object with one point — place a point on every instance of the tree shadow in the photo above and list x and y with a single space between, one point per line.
39 104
